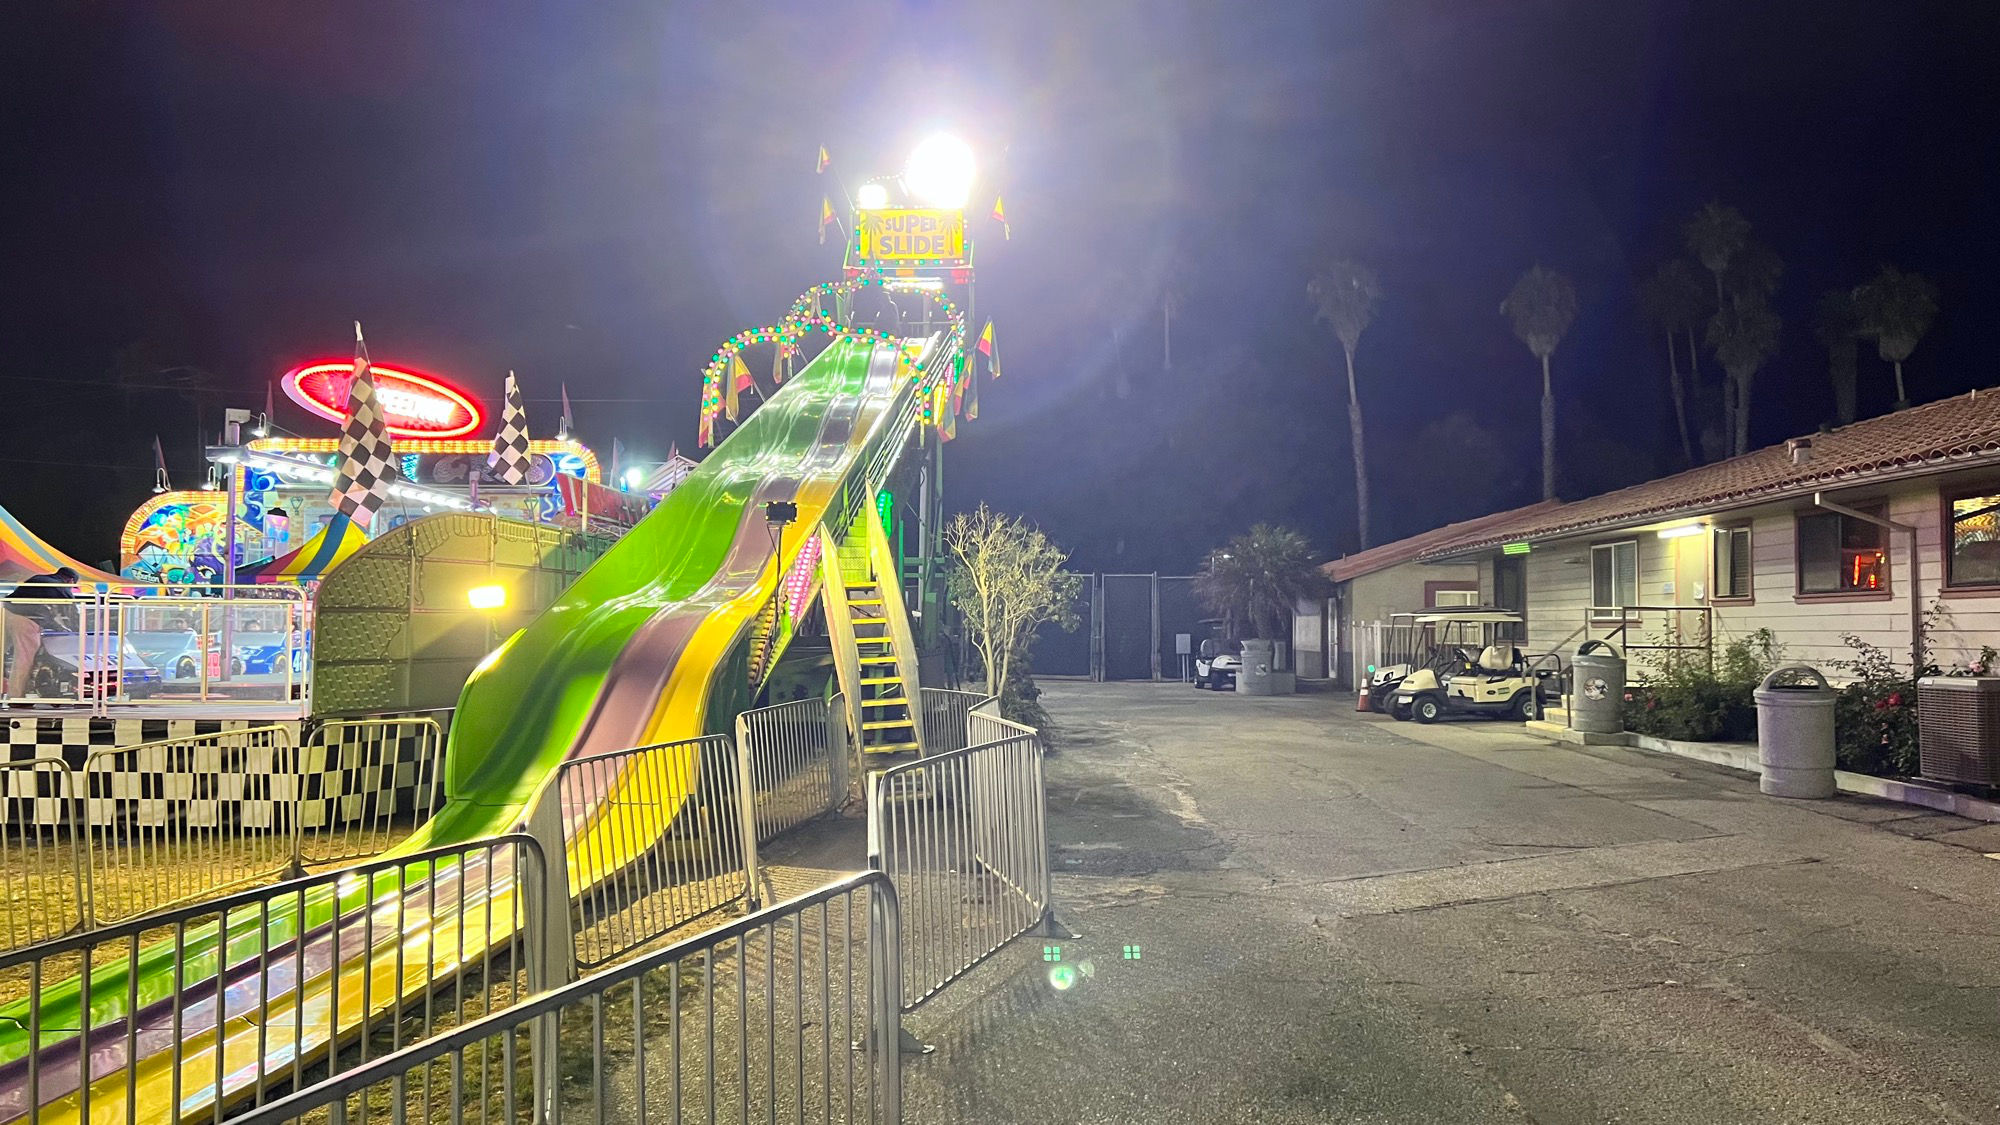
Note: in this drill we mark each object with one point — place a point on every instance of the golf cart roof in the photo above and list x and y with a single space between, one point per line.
1475 615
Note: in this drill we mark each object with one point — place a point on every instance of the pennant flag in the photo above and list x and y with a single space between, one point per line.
825 217
947 422
160 481
509 459
824 160
617 463
704 435
972 394
734 384
985 344
367 461
264 420
1000 216
568 417
778 367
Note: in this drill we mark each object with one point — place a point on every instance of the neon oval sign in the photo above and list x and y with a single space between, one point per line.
413 405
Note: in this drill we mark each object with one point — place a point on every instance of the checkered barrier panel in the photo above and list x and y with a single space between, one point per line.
355 771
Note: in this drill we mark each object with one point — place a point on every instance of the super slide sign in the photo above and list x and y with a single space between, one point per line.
413 405
913 237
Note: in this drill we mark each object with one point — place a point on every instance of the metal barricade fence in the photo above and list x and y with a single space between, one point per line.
373 958
114 650
44 859
179 818
963 837
786 1014
794 761
654 839
944 714
365 784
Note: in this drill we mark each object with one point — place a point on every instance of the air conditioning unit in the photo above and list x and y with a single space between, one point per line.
1958 729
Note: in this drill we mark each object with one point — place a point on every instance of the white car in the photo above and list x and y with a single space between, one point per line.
1215 669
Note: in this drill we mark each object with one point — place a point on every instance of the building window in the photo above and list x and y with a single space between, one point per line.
1614 578
1732 563
1972 555
1442 598
1842 555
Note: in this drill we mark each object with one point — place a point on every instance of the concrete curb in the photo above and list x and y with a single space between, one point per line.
1743 756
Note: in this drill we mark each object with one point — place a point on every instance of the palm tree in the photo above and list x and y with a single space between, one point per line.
1674 299
1713 236
1896 309
1346 294
1257 581
1837 329
1542 306
1744 335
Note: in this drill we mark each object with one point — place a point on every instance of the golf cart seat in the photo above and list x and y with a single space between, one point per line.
1497 659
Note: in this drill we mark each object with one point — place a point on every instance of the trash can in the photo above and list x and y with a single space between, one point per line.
1795 733
1597 699
1259 674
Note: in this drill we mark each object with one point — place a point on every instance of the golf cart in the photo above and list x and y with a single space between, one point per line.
1467 665
1216 664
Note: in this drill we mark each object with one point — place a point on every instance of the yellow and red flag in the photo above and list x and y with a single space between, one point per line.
824 160
734 383
825 217
1000 216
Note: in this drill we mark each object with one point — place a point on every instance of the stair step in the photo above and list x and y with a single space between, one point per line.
864 601
878 660
887 724
873 640
876 681
886 701
887 747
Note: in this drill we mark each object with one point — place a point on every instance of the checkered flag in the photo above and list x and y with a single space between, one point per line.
367 463
509 459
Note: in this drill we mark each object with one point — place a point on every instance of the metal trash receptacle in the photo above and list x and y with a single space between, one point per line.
1597 698
1795 733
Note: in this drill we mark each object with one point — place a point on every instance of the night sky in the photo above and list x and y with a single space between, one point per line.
597 194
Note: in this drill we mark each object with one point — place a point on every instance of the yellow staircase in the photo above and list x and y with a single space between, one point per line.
875 651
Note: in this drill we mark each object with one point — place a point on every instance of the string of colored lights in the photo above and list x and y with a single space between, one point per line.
805 316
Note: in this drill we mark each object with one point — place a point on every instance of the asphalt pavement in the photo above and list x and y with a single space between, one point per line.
1287 912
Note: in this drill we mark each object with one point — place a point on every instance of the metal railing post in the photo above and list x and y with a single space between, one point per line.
885 928
545 898
746 811
836 753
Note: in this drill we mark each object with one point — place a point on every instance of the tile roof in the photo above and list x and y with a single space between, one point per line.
1944 434
1403 550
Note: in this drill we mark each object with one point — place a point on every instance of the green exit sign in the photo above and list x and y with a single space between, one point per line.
1514 549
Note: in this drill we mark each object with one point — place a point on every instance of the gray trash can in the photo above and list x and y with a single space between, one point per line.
1795 733
1597 692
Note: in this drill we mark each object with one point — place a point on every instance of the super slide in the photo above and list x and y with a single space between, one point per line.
648 646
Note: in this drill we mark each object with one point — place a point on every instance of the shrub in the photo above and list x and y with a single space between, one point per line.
1686 699
1875 716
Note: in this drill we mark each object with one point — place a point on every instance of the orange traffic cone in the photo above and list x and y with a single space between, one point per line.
1361 702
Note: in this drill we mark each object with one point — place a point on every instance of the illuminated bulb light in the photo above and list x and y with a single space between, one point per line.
940 171
486 597
871 196
1682 531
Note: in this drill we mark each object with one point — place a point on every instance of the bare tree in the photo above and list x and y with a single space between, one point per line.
1675 299
1346 294
1895 310
1837 329
1007 579
1542 306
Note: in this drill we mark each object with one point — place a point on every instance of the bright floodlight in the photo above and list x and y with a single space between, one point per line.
634 477
872 196
940 171
486 597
